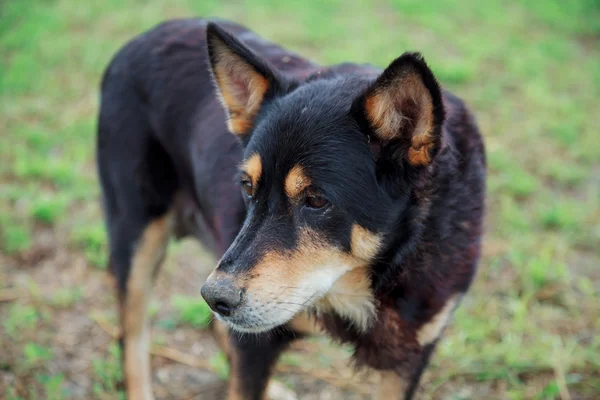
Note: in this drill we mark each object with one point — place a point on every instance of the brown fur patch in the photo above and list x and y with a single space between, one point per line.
404 105
430 331
296 181
305 325
253 168
391 386
364 244
241 89
149 254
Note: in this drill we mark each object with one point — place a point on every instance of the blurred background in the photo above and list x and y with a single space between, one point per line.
530 70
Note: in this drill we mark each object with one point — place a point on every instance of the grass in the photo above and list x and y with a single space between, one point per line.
91 240
192 310
36 354
108 374
20 318
220 365
529 69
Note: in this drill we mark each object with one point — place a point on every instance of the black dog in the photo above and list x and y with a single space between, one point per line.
342 198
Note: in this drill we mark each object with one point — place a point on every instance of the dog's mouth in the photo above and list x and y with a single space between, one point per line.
244 326
256 317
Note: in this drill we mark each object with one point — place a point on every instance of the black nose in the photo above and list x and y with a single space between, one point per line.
221 294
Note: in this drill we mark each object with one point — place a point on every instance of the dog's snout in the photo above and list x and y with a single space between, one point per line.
221 294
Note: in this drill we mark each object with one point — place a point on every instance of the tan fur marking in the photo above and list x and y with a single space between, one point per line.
241 89
304 324
432 330
364 244
385 111
234 387
149 254
295 182
419 156
418 93
391 386
387 122
239 126
253 168
221 335
351 297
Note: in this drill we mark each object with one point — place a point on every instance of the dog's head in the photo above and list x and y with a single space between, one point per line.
326 175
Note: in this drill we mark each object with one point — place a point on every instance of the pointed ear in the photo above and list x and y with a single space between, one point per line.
404 106
242 79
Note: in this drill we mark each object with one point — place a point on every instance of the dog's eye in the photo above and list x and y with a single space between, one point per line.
248 188
316 201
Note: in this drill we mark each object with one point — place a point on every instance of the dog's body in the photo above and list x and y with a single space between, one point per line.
381 264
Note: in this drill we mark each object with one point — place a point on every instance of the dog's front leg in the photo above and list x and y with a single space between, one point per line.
392 386
251 359
403 383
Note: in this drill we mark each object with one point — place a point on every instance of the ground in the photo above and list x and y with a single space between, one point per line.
529 69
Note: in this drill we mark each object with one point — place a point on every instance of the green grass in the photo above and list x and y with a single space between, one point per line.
192 311
66 297
52 387
36 354
91 240
48 387
220 365
529 69
48 209
20 317
15 237
107 374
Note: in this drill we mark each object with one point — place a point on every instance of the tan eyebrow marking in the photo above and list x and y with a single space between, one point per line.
253 168
296 181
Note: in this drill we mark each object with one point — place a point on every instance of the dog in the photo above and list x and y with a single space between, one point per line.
346 200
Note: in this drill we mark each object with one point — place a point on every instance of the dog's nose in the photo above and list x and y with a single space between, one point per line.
221 294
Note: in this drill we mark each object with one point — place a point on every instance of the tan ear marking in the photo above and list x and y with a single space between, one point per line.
241 88
296 181
404 107
386 122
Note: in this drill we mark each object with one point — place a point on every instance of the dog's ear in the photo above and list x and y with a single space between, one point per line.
242 78
404 108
